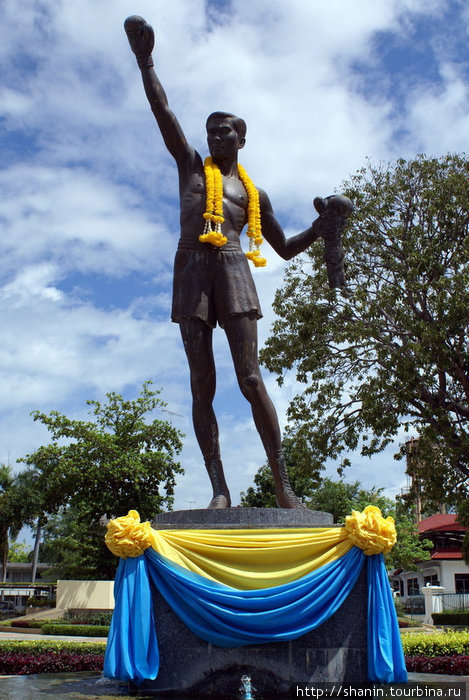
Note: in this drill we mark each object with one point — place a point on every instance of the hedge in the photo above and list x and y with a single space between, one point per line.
439 644
48 656
27 623
451 618
76 630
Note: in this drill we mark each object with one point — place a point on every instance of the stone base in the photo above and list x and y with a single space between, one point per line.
189 666
241 518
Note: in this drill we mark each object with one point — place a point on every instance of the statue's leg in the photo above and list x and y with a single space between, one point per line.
197 339
241 332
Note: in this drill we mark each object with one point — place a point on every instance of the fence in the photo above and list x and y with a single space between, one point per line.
415 605
454 601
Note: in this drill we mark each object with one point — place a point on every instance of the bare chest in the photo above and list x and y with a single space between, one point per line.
235 200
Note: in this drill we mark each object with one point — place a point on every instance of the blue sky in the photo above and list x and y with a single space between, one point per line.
89 212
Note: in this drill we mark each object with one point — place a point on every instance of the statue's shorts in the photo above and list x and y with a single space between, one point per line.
213 284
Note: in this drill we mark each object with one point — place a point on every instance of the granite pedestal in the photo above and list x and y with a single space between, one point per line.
189 666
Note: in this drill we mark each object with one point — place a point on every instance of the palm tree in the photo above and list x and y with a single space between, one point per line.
10 523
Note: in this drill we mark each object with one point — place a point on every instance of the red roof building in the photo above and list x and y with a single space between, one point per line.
446 566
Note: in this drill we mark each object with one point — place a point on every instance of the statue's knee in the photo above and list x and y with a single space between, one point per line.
251 384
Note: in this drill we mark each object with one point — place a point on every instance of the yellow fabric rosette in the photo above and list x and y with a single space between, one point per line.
127 536
370 531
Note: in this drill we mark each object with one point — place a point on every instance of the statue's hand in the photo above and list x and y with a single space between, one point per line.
141 39
333 212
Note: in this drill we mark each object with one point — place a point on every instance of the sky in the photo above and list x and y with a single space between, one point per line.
89 200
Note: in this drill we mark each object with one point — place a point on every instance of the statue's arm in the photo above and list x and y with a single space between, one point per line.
141 39
287 248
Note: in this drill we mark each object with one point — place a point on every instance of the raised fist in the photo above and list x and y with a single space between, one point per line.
141 39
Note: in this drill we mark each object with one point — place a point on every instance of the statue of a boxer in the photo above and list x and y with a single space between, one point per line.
212 280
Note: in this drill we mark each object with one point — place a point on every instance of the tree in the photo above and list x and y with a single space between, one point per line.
341 497
9 524
19 552
73 543
302 474
112 464
20 504
392 351
104 467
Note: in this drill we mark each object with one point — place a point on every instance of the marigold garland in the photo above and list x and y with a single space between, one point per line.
127 536
370 531
214 211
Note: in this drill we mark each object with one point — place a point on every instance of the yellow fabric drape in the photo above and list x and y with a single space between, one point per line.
253 559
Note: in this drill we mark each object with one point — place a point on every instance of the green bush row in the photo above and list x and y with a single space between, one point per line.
76 630
38 646
27 623
451 618
88 617
439 644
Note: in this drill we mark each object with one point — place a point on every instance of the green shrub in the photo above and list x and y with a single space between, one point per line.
76 630
33 646
49 657
455 617
405 622
443 644
97 617
27 623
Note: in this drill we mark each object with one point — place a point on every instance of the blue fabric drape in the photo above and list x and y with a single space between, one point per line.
386 662
229 617
132 647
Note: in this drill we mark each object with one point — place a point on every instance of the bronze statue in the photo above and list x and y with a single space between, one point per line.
212 281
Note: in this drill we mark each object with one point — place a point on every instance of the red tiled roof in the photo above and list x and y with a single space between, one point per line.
441 523
441 554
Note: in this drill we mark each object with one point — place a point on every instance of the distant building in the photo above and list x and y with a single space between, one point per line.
445 567
21 572
18 588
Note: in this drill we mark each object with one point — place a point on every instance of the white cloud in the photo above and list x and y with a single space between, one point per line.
439 115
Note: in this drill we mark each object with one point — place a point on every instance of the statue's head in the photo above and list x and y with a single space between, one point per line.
226 134
239 125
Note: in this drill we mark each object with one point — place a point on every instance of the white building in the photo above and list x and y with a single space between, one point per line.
445 568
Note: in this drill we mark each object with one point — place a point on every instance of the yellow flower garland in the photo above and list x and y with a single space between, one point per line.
214 211
128 537
214 206
370 531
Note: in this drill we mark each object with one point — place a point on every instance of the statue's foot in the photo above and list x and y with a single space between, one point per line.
219 502
287 499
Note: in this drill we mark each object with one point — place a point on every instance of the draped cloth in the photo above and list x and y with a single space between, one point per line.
239 587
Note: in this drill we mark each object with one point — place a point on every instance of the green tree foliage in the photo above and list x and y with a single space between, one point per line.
391 352
20 504
114 463
339 498
9 524
19 552
98 469
73 543
303 476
